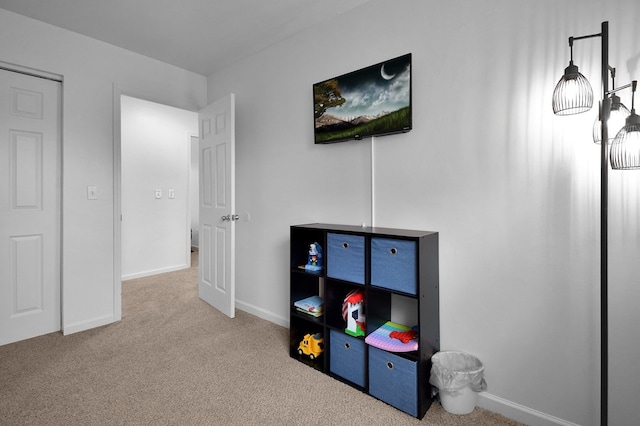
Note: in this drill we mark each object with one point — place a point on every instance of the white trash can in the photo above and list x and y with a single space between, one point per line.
459 377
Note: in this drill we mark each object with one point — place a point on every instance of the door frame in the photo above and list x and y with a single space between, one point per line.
118 92
117 203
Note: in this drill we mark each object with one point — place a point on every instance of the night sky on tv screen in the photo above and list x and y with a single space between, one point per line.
380 88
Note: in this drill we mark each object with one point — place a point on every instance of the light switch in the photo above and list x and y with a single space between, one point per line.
158 194
172 194
92 192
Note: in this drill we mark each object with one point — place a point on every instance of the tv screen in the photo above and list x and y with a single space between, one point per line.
373 101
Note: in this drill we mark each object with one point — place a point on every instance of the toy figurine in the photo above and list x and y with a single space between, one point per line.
314 260
352 313
312 345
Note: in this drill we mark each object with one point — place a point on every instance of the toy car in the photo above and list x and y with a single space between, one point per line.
312 345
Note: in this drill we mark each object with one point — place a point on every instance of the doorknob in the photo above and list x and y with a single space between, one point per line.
235 217
226 218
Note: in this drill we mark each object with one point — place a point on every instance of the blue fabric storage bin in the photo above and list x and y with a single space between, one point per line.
393 264
345 257
347 357
394 380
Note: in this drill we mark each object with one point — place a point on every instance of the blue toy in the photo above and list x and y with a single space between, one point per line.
314 260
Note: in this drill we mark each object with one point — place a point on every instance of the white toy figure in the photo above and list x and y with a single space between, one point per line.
352 313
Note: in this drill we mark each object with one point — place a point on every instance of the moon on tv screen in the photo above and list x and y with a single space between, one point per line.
384 74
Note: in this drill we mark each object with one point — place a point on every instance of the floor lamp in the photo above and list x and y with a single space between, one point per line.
573 95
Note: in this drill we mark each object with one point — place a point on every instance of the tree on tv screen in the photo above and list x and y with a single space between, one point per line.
326 95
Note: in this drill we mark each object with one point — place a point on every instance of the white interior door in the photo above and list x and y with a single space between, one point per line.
217 205
30 150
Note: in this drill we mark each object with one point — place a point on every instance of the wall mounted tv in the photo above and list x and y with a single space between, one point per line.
373 101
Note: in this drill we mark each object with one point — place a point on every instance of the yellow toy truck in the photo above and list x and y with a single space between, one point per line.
312 345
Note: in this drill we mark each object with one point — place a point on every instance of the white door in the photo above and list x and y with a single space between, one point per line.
217 205
30 152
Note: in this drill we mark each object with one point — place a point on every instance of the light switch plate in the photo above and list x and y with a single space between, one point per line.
158 194
92 192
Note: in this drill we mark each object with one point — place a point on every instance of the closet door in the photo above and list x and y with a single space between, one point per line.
30 153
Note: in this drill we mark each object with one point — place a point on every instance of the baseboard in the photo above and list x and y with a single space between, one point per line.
261 313
86 325
519 412
154 272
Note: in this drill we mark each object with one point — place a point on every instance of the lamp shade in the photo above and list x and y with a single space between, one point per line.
625 148
573 93
617 119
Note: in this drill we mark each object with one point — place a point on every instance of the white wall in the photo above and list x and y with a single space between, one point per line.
155 147
512 189
92 72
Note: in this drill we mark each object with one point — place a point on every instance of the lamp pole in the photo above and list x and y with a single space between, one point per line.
605 109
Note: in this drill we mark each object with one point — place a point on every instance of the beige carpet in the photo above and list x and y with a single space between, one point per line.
174 360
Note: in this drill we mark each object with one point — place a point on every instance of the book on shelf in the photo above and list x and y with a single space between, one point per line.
313 314
313 306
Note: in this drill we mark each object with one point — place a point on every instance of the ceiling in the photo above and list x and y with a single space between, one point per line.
202 36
